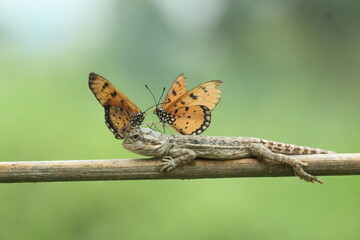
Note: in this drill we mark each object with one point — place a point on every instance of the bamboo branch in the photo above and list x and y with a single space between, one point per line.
131 169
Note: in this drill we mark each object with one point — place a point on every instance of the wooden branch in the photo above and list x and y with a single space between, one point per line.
131 169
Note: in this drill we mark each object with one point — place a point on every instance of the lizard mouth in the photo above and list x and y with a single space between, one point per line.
144 149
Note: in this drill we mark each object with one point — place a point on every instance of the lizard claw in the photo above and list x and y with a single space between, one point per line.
299 171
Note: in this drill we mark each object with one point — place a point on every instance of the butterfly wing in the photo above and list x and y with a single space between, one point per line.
107 94
118 122
120 111
190 120
191 112
206 94
177 89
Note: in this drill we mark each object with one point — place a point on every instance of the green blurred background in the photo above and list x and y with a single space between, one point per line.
290 71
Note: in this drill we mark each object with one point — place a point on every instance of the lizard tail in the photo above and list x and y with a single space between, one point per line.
291 149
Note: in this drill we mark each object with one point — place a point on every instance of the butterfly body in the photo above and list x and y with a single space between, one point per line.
121 114
189 112
163 116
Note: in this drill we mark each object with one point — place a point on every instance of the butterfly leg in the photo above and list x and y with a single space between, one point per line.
151 125
148 124
177 158
156 128
164 128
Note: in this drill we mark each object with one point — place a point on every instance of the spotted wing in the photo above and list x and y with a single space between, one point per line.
190 120
117 122
107 94
119 109
177 89
206 94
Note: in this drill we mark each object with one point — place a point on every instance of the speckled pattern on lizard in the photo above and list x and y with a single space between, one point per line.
177 150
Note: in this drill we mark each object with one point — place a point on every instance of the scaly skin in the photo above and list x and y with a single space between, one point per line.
177 150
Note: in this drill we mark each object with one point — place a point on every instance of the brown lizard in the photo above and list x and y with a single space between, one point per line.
177 150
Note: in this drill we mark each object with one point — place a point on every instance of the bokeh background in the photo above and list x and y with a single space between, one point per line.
290 71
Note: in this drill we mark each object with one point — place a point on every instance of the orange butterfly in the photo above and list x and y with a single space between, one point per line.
189 112
120 112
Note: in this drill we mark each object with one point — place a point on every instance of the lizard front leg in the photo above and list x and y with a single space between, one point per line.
259 150
177 157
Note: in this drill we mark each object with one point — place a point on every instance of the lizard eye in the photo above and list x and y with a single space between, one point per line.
135 137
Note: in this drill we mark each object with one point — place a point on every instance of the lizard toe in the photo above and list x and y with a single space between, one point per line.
167 164
164 168
299 171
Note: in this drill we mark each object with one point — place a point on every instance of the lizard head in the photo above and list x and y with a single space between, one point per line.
146 141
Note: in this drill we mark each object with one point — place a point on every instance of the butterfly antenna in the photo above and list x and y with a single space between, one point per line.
151 93
156 104
161 95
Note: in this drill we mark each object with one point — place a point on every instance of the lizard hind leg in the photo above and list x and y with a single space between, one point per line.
259 150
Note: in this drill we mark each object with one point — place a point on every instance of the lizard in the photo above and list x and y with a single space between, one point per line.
177 150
